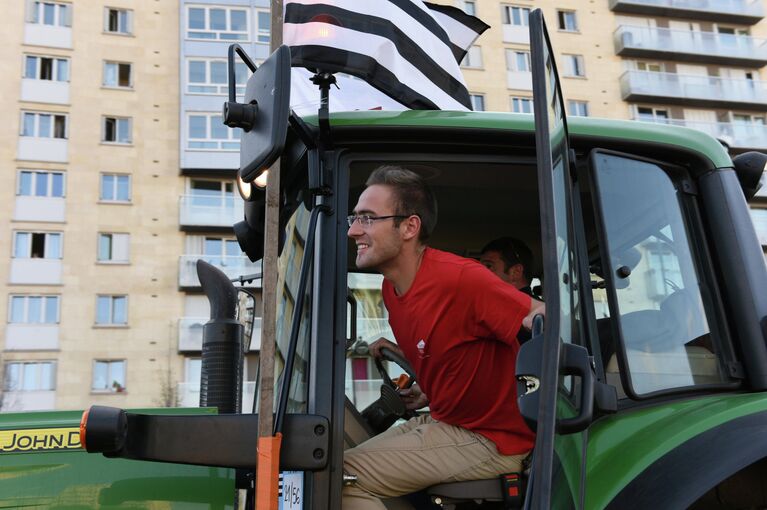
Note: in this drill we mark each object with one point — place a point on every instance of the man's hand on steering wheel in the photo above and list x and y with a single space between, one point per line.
413 397
381 343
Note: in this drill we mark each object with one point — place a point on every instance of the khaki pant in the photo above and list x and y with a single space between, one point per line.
418 454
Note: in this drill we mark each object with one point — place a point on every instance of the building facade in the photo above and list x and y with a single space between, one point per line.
119 173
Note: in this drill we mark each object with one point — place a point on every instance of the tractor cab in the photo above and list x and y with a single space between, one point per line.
648 263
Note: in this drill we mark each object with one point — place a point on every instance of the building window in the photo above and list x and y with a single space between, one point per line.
112 310
118 74
217 23
34 310
39 183
574 66
37 245
30 376
109 375
44 125
477 102
50 13
115 188
207 131
518 61
116 130
522 105
219 250
514 15
473 58
205 193
648 114
470 7
206 76
46 68
118 21
264 26
567 21
653 67
114 248
578 108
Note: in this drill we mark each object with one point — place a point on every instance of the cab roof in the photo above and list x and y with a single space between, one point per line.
593 130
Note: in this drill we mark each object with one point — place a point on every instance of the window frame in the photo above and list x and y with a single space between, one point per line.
516 54
573 62
466 62
128 21
115 188
507 15
112 260
38 67
562 17
481 98
28 249
245 35
111 324
222 89
49 185
521 100
702 262
116 119
110 388
36 127
117 85
43 308
577 102
233 139
22 364
37 15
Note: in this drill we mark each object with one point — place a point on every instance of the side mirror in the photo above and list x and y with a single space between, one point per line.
749 167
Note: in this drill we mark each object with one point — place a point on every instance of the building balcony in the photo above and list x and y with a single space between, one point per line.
690 90
684 45
232 266
201 160
190 334
746 12
202 213
740 137
516 34
43 149
49 209
519 80
42 400
45 91
35 271
31 337
189 394
47 35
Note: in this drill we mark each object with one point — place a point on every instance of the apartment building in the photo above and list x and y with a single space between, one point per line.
89 215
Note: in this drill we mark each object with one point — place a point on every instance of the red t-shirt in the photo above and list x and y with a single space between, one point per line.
457 325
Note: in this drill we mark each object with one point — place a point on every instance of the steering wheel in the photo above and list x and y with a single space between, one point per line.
381 414
390 355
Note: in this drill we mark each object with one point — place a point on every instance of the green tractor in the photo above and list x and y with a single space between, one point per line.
646 383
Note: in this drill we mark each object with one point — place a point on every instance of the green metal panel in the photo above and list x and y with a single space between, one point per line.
623 445
70 478
579 127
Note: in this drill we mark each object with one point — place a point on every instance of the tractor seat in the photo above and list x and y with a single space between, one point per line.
449 495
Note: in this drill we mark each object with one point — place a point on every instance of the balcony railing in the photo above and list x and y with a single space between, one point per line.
232 266
692 90
190 334
732 11
200 211
189 395
709 47
736 135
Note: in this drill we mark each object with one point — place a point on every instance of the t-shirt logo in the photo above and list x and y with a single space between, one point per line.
421 345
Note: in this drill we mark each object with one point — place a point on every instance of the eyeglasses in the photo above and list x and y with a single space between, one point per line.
366 220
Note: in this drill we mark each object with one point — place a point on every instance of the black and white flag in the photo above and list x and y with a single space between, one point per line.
396 53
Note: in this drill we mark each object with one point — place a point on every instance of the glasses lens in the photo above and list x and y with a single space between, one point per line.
350 220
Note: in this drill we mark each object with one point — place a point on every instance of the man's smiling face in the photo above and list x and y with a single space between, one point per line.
382 241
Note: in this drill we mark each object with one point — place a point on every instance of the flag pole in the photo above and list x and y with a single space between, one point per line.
267 470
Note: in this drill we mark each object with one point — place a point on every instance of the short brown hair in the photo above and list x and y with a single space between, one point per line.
412 196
